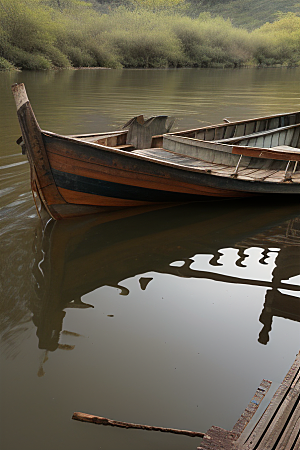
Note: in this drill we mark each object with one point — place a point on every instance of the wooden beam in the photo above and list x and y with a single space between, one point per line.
267 153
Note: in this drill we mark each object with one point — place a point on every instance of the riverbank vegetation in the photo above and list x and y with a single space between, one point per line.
45 34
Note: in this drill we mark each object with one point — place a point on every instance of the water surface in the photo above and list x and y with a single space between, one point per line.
170 317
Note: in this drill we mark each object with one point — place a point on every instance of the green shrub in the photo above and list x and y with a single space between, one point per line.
57 57
6 65
29 61
104 56
41 34
143 39
80 57
144 50
278 42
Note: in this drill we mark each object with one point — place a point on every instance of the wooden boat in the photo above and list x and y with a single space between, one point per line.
83 174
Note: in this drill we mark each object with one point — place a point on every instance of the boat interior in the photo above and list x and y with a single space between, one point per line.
225 153
137 133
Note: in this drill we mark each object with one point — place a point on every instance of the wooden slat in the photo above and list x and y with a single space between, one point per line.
240 130
229 132
292 432
266 153
244 173
274 122
250 127
295 139
210 134
186 161
270 425
130 178
219 133
256 134
281 419
252 407
115 174
240 125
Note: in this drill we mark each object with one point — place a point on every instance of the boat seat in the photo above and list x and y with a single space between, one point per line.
281 152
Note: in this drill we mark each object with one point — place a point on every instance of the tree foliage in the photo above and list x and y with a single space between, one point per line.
42 34
158 5
279 42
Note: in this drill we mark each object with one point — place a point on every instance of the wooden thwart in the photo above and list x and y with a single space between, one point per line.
113 423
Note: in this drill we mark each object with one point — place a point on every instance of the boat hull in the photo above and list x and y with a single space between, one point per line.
73 176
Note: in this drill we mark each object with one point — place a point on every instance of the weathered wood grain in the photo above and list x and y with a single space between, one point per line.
40 168
103 169
265 153
275 419
114 423
277 429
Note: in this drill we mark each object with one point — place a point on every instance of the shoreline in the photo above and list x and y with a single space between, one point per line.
16 69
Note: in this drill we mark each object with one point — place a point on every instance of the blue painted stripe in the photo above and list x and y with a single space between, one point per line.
117 190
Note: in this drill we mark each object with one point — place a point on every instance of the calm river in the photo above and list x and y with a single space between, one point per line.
171 317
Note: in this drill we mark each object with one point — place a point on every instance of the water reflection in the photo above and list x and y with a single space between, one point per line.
229 242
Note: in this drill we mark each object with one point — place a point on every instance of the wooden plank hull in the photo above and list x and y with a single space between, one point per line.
102 176
74 176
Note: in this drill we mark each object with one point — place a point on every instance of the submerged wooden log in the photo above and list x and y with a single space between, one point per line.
113 423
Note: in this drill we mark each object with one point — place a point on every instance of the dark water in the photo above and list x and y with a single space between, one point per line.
170 317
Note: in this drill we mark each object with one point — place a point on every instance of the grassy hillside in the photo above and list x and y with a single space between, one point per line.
249 14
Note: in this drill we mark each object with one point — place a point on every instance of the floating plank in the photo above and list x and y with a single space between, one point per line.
114 423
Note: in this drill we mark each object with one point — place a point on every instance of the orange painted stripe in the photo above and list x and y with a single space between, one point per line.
81 198
98 172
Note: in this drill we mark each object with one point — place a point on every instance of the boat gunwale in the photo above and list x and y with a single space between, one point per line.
131 154
236 122
157 161
211 145
104 133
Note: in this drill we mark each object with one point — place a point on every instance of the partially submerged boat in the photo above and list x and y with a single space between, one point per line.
145 164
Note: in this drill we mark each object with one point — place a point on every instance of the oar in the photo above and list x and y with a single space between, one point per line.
113 423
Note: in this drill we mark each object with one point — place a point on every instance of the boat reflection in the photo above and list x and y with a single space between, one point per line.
231 242
283 297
